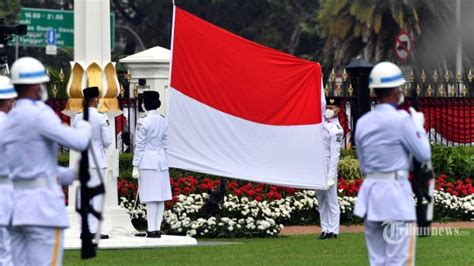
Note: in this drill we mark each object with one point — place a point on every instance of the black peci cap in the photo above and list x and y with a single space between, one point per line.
151 99
90 92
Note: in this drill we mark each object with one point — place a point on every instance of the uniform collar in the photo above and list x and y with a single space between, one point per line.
152 112
332 120
23 101
385 107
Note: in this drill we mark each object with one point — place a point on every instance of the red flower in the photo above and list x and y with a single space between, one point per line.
464 192
269 195
233 184
259 189
291 191
217 182
238 192
359 182
251 192
181 180
455 193
186 190
467 180
449 190
203 186
277 195
258 198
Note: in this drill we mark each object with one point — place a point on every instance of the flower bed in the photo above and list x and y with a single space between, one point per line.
251 209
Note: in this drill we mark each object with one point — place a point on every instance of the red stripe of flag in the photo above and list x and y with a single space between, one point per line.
243 78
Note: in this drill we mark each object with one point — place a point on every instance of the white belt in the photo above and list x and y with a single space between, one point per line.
396 175
4 180
30 183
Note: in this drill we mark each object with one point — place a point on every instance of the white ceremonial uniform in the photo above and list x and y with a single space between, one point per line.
385 138
150 158
101 140
30 137
328 204
6 203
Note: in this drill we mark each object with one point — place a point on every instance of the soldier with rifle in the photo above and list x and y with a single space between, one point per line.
30 137
385 141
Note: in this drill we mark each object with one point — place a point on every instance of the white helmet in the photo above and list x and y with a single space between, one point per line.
28 70
7 91
386 75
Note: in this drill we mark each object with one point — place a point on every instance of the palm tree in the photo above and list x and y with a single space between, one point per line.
368 27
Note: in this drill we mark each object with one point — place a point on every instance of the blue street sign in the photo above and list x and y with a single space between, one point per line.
51 37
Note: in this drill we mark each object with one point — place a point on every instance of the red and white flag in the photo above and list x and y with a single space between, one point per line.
242 110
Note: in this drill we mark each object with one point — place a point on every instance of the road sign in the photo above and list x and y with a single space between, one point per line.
39 21
403 46
51 49
51 37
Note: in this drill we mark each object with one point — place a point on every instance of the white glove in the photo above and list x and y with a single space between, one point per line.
418 118
135 172
330 182
66 175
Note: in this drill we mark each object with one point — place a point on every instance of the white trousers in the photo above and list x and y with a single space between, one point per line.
36 245
390 244
329 211
5 248
154 215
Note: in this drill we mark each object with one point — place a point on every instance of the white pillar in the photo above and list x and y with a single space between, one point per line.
92 46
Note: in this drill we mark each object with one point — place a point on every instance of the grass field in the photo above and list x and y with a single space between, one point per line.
349 249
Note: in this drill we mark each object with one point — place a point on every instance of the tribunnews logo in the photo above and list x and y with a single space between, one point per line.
396 232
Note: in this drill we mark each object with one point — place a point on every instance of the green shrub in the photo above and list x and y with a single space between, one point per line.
455 162
349 168
63 159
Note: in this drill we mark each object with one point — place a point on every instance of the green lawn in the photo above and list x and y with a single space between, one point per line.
349 249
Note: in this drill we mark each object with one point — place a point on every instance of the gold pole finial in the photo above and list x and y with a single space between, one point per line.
55 91
430 90
332 76
447 75
61 75
344 75
441 91
435 76
470 76
122 91
423 76
464 90
418 90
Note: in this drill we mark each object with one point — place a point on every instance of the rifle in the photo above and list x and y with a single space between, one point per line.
423 187
86 194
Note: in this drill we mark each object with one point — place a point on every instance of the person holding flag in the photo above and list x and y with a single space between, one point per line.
385 141
328 204
30 137
150 165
